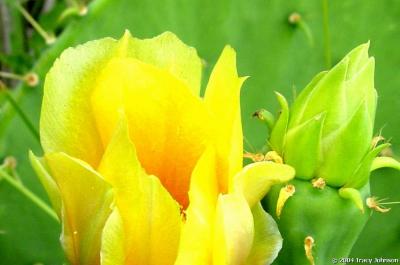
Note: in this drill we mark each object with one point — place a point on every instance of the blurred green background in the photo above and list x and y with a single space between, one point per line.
276 54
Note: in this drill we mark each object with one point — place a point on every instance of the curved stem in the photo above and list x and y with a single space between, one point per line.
307 31
45 35
11 76
29 194
21 113
384 161
387 203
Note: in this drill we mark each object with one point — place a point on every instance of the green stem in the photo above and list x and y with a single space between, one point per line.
29 194
11 76
307 31
45 35
386 203
21 113
327 38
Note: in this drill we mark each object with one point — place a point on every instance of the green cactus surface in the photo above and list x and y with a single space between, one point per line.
334 223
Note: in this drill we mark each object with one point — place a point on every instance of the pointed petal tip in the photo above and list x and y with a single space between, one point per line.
279 96
123 44
320 116
282 100
228 56
228 49
127 34
359 53
31 154
243 79
366 45
363 47
354 195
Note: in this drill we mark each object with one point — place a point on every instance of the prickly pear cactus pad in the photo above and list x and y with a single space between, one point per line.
327 136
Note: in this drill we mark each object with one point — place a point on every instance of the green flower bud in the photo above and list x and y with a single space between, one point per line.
327 133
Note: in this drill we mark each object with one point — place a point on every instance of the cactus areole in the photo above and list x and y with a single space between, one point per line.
327 136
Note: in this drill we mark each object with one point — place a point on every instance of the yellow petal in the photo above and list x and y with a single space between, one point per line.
165 51
151 218
66 121
67 124
255 180
267 239
40 167
234 230
222 97
170 126
196 241
86 201
112 241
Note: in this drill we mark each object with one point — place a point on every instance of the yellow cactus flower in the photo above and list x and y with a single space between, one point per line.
142 170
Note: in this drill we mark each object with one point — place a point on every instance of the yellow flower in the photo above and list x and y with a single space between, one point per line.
140 169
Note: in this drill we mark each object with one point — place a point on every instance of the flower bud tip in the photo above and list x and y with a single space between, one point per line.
83 10
31 79
294 18
50 39
10 162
